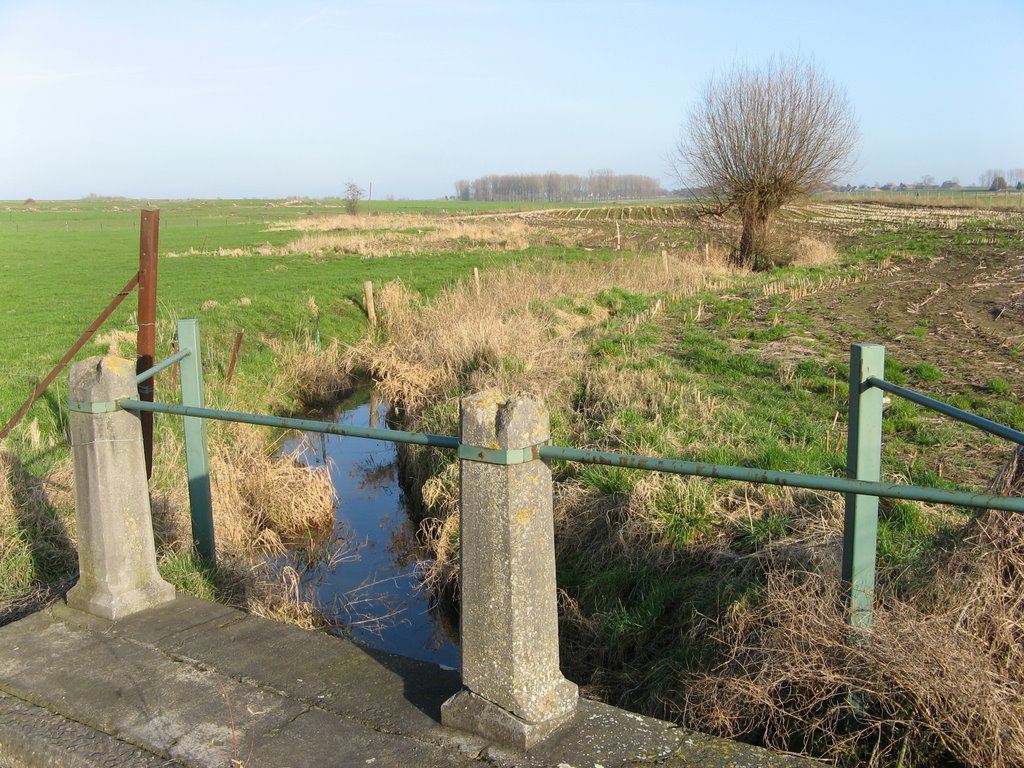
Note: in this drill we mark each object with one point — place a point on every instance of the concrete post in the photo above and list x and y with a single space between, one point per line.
514 691
116 552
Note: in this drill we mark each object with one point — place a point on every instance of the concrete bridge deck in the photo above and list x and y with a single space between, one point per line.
192 683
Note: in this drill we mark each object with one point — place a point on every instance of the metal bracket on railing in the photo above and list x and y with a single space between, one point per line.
498 456
105 406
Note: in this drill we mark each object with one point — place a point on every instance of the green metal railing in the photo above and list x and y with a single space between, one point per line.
862 485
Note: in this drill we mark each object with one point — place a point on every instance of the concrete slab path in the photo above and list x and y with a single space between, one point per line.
197 684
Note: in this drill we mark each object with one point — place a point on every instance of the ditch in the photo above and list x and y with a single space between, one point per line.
372 587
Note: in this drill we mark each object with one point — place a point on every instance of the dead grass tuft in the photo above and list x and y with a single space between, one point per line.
262 502
922 682
119 343
279 595
6 487
988 568
810 251
317 376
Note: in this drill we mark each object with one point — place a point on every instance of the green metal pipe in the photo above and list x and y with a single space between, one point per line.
674 466
149 373
306 425
967 417
791 479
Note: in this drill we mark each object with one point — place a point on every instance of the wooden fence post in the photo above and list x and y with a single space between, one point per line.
371 311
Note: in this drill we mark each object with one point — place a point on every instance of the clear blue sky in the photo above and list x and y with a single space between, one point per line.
273 99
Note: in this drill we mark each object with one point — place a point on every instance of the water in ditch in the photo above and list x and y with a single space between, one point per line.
372 587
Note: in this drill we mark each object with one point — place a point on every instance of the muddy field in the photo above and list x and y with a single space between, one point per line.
954 298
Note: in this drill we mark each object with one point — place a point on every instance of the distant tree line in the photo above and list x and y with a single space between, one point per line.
995 179
558 187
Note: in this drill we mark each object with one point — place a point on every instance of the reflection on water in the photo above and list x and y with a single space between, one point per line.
374 589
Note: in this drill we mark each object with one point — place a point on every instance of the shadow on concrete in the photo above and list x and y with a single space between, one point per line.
426 686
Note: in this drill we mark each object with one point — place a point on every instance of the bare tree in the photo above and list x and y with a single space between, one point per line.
353 194
760 138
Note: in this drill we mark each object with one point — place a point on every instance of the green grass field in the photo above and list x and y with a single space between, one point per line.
62 262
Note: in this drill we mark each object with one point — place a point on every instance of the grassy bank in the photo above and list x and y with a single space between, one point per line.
712 602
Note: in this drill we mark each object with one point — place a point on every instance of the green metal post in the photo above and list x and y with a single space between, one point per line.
197 456
863 462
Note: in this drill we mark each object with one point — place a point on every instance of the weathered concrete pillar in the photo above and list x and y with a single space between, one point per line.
116 553
514 691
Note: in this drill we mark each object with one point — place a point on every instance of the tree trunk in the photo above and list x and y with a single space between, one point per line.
754 241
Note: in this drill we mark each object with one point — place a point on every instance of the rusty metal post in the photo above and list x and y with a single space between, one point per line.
234 357
149 238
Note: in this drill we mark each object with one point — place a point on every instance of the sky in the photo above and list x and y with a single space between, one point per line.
283 99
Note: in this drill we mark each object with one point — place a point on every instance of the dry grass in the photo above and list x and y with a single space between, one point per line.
991 565
392 234
262 502
502 235
941 672
343 222
920 682
279 595
509 336
119 343
316 375
812 252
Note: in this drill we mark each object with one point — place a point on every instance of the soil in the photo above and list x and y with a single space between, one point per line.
962 312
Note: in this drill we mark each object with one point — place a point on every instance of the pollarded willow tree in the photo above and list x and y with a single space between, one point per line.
760 138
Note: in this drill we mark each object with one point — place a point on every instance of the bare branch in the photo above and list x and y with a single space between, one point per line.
759 138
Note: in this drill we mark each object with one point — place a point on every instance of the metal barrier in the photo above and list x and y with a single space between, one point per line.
862 485
513 689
